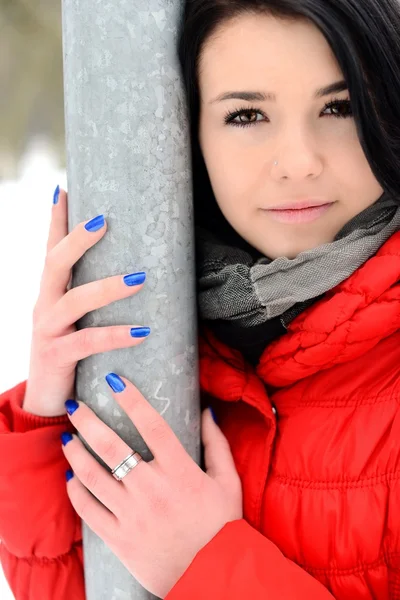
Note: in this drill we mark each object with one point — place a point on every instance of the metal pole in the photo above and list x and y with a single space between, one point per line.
128 157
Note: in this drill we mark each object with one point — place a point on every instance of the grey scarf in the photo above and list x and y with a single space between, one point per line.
234 286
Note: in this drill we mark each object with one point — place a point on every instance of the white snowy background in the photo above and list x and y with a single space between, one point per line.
24 224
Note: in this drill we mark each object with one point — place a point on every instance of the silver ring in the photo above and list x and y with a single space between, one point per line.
126 466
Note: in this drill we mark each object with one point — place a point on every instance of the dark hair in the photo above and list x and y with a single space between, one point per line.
364 37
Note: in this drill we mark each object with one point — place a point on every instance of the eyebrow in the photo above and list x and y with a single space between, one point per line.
338 86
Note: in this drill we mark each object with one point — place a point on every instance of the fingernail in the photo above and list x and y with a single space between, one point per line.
139 332
56 194
66 437
213 414
135 278
115 382
95 224
69 474
71 406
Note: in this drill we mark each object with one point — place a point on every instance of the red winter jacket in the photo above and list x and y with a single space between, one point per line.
315 433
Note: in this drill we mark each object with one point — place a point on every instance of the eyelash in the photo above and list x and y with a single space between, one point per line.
228 119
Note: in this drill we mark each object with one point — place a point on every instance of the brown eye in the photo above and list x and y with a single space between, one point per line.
341 109
249 117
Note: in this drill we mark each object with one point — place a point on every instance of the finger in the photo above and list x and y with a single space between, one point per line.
99 518
101 438
58 225
95 340
70 247
158 435
57 232
218 458
87 297
93 475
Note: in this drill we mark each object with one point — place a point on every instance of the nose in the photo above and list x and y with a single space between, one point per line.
298 159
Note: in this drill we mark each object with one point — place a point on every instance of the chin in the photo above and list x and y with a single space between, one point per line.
289 253
285 247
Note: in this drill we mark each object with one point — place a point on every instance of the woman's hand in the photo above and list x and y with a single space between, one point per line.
56 345
158 517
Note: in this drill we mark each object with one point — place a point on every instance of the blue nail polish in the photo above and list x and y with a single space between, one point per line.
115 382
69 474
213 414
95 224
139 332
71 406
135 278
56 194
66 437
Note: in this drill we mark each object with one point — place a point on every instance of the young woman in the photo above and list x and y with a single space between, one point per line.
295 125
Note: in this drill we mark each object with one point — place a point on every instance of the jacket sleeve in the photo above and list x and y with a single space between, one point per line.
239 562
40 532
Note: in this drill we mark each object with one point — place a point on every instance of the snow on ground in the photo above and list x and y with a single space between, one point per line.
25 212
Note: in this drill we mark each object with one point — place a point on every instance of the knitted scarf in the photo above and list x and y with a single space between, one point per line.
236 288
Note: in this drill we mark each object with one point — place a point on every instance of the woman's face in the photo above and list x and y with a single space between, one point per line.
319 154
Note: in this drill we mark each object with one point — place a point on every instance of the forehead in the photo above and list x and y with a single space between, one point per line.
260 49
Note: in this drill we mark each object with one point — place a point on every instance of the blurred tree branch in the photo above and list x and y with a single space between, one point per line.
31 99
24 12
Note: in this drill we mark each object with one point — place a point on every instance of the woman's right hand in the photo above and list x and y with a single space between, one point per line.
56 345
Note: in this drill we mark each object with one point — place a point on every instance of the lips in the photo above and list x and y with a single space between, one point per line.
299 205
303 215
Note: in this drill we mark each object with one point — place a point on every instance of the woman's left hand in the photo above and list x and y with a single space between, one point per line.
158 517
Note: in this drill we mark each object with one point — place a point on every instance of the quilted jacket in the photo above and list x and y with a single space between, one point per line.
314 430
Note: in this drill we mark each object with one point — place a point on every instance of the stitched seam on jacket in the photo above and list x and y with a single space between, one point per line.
339 485
34 560
343 401
358 569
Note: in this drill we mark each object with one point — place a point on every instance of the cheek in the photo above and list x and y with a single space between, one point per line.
232 175
353 174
